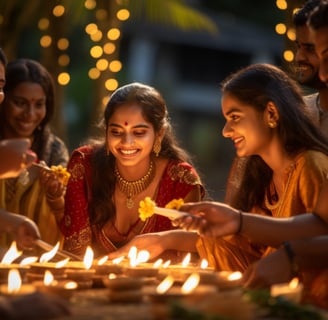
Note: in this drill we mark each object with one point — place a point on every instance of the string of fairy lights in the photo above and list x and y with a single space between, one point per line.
104 43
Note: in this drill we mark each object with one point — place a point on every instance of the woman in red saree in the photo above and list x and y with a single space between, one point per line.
139 157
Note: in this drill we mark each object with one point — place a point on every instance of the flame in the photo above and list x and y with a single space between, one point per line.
165 285
50 254
293 283
191 283
234 276
118 260
11 254
204 264
158 263
28 260
48 278
61 263
88 258
186 260
166 264
112 276
142 256
132 255
102 260
70 285
14 281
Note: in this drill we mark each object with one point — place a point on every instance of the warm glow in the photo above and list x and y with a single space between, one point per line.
132 255
281 4
102 64
28 260
70 285
96 36
281 28
109 48
142 256
14 281
111 84
90 4
94 73
62 44
63 78
88 258
118 260
112 276
186 260
115 66
191 283
158 263
102 260
61 263
204 264
291 35
165 285
43 24
96 51
58 10
293 283
123 14
50 254
101 14
45 41
113 34
166 264
288 55
48 278
63 60
12 254
91 28
234 276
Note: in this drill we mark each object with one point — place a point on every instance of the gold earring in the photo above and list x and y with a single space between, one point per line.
272 124
157 147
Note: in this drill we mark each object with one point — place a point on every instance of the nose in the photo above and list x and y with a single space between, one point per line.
300 55
227 131
128 139
323 72
29 111
2 96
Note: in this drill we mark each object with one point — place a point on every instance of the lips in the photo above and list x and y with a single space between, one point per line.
237 141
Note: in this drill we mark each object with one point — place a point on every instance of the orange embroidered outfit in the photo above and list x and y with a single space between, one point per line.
177 181
302 186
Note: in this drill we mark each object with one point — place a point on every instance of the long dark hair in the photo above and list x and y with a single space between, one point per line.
27 70
154 111
256 85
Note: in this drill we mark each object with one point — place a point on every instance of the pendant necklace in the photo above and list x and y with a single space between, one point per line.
132 188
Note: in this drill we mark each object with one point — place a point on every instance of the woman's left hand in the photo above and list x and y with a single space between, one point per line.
53 187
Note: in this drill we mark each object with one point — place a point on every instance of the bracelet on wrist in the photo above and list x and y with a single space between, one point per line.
240 222
291 257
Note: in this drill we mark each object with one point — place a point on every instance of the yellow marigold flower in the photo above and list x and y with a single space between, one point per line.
146 208
62 173
175 204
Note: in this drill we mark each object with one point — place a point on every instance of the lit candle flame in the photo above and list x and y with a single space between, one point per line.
88 258
166 264
165 285
50 254
61 263
112 276
102 260
14 281
186 260
28 260
191 283
70 285
158 263
204 264
48 278
132 255
293 283
118 260
142 256
12 254
234 276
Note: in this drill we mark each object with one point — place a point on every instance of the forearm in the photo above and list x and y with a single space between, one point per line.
180 240
9 221
57 207
273 231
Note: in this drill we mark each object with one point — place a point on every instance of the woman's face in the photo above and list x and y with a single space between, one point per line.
130 138
245 126
25 108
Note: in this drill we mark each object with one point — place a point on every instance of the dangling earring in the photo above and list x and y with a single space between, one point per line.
157 147
272 124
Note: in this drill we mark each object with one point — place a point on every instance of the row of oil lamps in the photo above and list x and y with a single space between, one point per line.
129 279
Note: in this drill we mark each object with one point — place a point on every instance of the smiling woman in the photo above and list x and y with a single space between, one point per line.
139 157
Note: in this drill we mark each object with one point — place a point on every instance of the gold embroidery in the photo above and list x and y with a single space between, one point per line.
177 172
77 172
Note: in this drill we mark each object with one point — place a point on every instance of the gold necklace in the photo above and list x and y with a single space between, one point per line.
132 188
281 199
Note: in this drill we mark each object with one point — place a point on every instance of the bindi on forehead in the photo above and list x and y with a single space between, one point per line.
126 123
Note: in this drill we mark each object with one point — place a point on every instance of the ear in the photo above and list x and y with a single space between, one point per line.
272 113
161 134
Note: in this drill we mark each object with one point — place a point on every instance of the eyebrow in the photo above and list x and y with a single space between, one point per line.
134 127
232 110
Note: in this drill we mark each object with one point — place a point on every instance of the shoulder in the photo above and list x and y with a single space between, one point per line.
85 151
312 160
183 172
